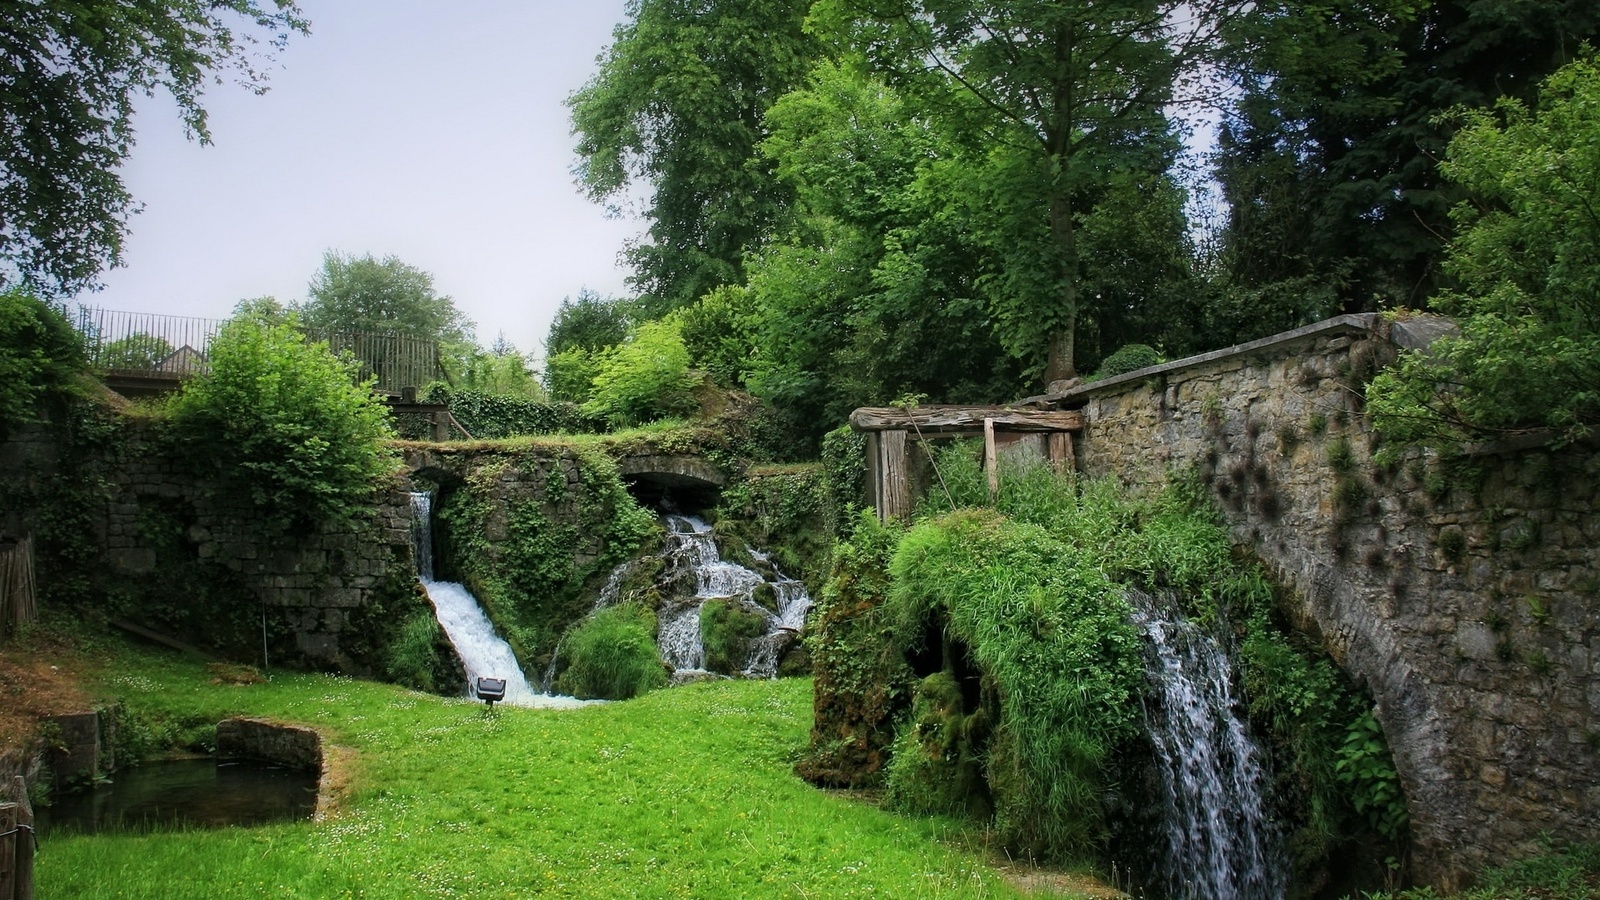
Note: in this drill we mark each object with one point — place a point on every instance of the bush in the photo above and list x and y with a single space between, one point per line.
285 422
489 416
1129 358
613 655
40 353
645 379
569 374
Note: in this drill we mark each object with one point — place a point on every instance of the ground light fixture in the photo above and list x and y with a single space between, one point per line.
491 689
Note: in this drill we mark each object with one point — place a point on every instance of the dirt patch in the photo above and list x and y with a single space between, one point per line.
1030 880
40 676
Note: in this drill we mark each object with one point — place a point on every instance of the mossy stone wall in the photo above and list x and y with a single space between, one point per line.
1464 595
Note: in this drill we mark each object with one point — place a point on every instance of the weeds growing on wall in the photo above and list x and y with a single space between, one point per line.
786 511
612 655
530 579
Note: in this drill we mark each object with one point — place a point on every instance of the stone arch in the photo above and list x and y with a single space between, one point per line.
686 481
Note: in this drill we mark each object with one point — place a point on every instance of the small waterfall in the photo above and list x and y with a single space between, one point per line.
483 653
691 548
1217 839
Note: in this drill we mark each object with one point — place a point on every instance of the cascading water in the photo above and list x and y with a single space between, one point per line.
690 545
1218 841
482 652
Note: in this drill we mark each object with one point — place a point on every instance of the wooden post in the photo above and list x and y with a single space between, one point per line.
1061 452
895 489
991 460
22 853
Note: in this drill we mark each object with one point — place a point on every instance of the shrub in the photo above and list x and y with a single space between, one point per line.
40 353
644 379
569 374
413 658
1129 358
489 416
286 422
613 655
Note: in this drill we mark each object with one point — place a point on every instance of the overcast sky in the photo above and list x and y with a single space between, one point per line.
434 131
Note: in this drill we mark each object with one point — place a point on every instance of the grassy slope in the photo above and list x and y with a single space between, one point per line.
684 793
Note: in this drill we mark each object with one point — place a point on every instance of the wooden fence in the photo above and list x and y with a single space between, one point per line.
17 604
16 842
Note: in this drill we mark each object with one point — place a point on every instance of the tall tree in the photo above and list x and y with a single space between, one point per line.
70 71
1330 154
1066 97
368 294
674 114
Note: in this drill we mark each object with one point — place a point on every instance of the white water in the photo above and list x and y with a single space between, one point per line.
483 653
1218 841
690 545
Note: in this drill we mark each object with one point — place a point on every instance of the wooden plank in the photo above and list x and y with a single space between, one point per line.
8 850
25 846
875 475
896 475
964 419
991 460
1061 457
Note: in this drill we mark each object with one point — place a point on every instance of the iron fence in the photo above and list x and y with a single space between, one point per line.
152 345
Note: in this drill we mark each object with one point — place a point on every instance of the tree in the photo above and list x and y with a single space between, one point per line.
1527 259
1062 97
644 378
591 323
139 351
362 293
299 434
70 71
674 113
40 354
1330 154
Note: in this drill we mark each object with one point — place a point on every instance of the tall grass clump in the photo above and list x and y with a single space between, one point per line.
613 655
1053 633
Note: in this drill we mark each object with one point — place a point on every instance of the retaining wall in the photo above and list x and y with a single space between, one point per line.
1465 597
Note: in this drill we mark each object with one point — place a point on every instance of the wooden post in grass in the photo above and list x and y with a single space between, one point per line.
991 459
16 844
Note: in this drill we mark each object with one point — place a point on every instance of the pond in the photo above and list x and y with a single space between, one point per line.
185 793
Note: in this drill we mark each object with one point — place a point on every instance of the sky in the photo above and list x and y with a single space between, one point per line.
428 130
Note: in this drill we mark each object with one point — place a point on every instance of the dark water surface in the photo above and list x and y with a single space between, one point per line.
185 793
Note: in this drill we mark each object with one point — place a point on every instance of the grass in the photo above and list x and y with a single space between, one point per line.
682 793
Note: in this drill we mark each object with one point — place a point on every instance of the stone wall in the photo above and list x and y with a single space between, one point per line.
124 525
1466 597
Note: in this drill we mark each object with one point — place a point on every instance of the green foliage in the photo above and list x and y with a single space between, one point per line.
612 655
420 654
787 511
717 334
364 293
71 75
861 681
1128 358
844 460
490 416
592 323
726 630
40 354
1054 634
644 379
138 351
1528 354
937 762
674 112
531 580
285 422
500 372
1367 771
569 375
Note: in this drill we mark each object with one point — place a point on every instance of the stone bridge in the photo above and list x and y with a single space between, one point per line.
688 481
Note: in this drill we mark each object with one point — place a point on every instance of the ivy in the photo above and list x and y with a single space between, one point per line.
490 416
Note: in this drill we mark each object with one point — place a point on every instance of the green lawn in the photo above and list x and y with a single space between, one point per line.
683 793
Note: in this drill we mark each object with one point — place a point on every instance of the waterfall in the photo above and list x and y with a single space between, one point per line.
1217 840
695 572
483 653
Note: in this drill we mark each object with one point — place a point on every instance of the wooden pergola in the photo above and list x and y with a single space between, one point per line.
1041 434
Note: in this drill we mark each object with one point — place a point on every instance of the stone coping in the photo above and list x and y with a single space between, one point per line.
1350 323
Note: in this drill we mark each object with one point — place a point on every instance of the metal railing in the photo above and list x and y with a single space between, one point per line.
151 345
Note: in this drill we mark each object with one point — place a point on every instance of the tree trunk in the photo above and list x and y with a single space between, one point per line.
1059 361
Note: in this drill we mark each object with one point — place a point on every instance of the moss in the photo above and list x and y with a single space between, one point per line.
938 762
726 632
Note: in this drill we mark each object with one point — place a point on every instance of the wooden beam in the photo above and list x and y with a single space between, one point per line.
964 419
896 487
